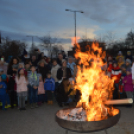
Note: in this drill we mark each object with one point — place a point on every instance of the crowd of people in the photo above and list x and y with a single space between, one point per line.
122 69
38 79
35 80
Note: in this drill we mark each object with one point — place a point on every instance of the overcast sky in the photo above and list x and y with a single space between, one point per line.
19 18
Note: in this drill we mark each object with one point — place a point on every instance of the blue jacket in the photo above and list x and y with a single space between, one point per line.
3 89
49 84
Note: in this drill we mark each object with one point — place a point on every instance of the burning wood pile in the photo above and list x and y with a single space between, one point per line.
80 114
95 86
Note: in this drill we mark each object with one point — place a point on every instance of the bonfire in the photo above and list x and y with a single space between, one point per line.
95 86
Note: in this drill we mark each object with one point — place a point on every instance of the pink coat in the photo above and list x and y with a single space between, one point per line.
41 88
128 86
21 84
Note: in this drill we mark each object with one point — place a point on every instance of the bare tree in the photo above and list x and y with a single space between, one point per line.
12 48
48 43
130 38
109 37
56 49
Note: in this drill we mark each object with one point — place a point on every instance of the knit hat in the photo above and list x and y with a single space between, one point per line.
123 66
3 76
110 61
20 70
128 52
114 62
129 70
119 53
129 61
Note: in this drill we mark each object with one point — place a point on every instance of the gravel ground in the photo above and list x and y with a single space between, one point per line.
42 121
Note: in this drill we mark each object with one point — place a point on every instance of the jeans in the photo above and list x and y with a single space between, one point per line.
33 95
7 99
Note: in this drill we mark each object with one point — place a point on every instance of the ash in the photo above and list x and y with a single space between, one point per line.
76 114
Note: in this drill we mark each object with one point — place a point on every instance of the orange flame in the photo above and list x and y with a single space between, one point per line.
95 86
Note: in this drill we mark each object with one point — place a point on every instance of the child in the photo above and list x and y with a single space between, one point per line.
128 84
71 86
33 79
21 82
41 91
116 73
21 65
123 74
3 87
63 93
49 86
5 80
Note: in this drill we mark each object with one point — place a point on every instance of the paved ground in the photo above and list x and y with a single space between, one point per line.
42 121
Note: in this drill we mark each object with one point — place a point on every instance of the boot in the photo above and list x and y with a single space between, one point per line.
51 102
48 102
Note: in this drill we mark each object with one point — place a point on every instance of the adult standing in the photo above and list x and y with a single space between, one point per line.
63 72
43 69
3 64
60 59
133 72
72 66
54 70
129 55
49 65
25 56
64 55
12 71
34 60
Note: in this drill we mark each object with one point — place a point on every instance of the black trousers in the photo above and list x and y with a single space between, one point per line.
49 95
13 98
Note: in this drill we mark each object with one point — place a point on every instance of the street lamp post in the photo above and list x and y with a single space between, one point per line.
74 11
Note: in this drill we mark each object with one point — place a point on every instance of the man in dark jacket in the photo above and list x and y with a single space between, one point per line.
60 59
64 71
43 69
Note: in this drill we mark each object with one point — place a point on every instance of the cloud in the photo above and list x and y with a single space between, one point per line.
39 17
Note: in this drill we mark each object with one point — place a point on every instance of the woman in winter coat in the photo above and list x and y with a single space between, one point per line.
128 84
22 83
54 70
43 69
63 72
12 71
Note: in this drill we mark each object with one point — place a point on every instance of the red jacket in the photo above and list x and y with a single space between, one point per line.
116 72
110 68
